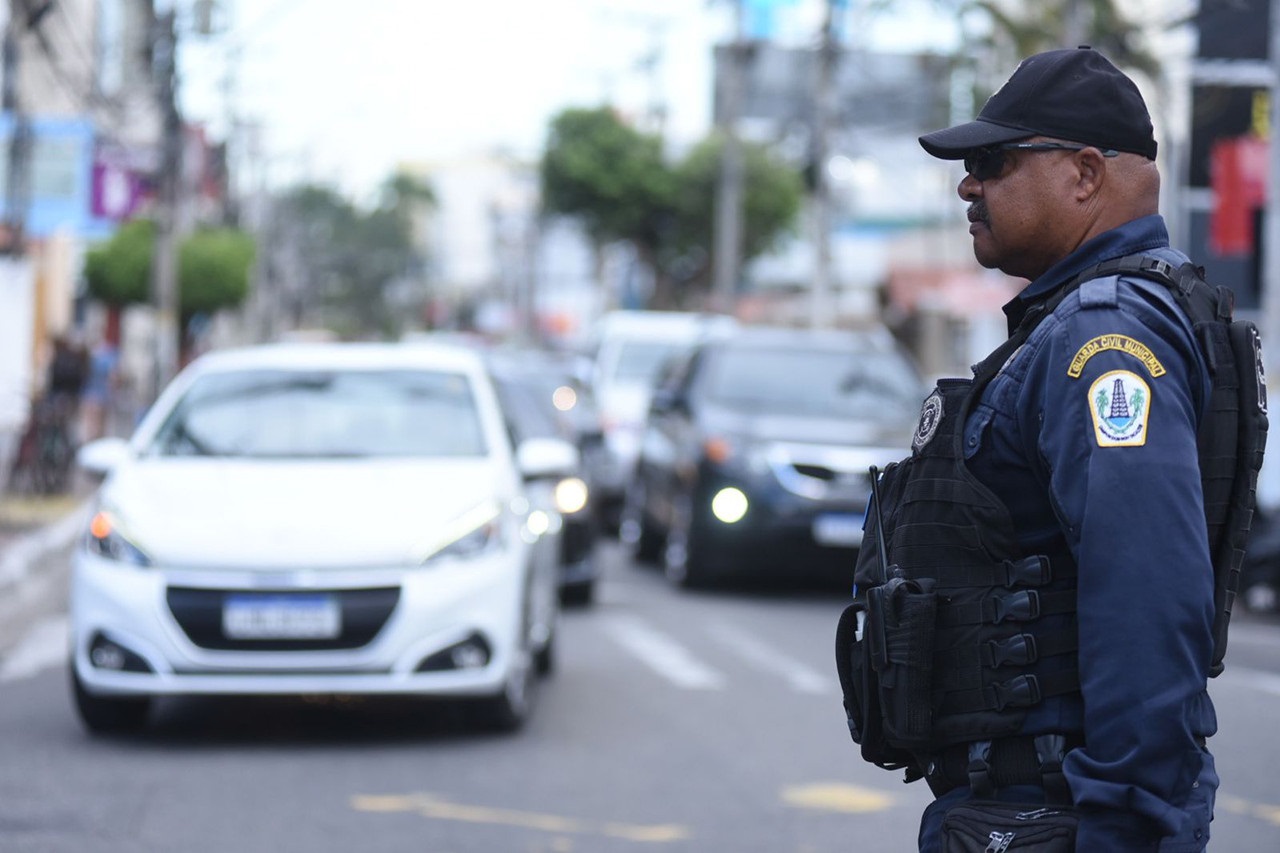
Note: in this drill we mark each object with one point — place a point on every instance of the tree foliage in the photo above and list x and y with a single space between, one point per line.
213 268
1003 32
118 272
349 259
608 174
616 181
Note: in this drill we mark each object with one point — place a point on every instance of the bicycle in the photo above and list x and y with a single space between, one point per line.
46 451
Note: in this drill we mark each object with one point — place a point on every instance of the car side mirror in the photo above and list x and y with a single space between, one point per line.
101 455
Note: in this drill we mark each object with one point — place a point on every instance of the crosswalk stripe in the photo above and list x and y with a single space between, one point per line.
801 677
663 654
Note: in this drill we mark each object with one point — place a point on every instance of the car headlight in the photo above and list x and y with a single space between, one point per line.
571 495
472 534
106 539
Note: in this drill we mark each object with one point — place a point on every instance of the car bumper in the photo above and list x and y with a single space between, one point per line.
782 535
175 650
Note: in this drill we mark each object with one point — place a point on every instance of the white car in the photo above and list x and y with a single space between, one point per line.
319 519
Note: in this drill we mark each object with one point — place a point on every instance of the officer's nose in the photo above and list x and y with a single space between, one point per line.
970 188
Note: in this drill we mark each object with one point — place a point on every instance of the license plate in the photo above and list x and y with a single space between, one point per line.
281 617
842 531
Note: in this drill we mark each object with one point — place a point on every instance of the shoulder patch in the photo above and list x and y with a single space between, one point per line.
1120 402
1122 343
930 418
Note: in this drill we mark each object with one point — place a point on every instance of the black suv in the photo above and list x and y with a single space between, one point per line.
756 450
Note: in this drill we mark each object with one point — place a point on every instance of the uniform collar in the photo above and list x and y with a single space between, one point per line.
1138 235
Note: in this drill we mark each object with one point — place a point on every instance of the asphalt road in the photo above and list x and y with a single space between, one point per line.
674 722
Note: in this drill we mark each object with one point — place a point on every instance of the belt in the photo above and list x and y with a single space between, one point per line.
1009 761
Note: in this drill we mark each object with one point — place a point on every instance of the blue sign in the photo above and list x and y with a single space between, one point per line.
59 169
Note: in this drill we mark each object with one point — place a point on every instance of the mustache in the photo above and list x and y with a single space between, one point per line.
977 212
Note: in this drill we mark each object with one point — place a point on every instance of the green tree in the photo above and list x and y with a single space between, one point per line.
213 268
606 173
773 192
347 261
616 181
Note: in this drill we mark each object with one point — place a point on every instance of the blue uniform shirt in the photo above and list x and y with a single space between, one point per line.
1088 435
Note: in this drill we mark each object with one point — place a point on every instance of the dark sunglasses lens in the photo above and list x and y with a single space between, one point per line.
984 164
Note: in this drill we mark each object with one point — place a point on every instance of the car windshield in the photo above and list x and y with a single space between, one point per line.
324 414
638 362
876 386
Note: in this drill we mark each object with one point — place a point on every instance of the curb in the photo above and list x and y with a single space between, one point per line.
26 550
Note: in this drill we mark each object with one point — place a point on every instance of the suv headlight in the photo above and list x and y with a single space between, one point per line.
473 533
106 539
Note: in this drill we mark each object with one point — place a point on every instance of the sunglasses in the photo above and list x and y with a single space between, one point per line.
987 163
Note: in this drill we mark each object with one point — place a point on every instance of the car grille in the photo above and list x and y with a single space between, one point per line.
199 614
821 481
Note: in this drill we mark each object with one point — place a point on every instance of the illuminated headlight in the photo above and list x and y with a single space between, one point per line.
571 495
472 534
729 505
106 539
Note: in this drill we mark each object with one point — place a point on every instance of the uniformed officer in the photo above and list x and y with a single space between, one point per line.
1051 514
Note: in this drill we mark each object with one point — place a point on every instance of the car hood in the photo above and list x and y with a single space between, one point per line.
801 429
332 514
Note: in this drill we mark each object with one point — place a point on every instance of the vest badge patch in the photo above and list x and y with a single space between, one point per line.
1122 343
1120 401
930 417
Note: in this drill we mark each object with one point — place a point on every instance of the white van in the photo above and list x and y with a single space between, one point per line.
631 348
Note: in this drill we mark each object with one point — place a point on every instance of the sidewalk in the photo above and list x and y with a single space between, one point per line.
33 525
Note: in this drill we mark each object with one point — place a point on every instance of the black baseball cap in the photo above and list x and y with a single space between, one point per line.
1074 94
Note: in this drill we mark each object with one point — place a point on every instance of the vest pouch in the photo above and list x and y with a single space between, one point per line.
861 691
995 827
901 616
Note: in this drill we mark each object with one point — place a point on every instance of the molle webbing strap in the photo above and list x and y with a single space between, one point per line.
1021 606
1022 691
1018 650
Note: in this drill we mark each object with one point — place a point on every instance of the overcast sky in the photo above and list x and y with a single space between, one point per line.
345 91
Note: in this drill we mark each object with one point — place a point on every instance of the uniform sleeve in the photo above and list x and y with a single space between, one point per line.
1114 405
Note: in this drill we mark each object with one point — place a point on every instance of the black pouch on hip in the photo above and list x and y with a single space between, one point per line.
994 827
900 629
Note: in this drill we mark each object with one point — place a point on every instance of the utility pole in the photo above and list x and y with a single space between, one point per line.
164 261
17 178
728 208
821 314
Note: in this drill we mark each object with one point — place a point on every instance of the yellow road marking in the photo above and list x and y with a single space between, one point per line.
837 797
1239 805
428 805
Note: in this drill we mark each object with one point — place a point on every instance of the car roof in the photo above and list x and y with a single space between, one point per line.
659 324
341 355
861 339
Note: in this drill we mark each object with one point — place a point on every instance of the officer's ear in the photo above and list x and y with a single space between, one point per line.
1091 172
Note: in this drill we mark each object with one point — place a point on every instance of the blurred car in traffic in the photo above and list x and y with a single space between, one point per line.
756 452
306 519
543 395
631 347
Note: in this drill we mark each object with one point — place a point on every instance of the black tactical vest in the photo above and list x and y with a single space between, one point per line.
955 632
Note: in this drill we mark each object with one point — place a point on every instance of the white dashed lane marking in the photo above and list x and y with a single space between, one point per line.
663 654
799 675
